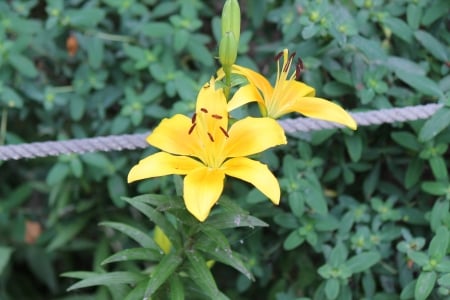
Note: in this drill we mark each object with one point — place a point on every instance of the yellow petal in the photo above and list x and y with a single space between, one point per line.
244 95
161 164
285 94
202 189
253 135
323 109
172 135
257 79
255 173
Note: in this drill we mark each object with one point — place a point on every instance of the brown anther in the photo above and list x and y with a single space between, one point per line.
298 68
211 137
218 117
192 128
278 56
194 117
224 131
288 63
204 110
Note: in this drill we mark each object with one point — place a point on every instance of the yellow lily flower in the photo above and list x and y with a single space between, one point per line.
203 149
288 95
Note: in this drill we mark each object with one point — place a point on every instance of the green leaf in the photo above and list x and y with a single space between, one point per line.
156 29
406 139
332 287
140 237
413 15
10 98
424 285
399 28
399 63
421 83
23 65
159 219
176 288
201 274
77 107
363 261
444 280
95 52
338 255
162 272
408 291
116 189
233 220
111 278
293 240
419 257
434 125
370 48
5 255
180 39
66 232
435 11
439 168
439 244
436 188
354 146
432 45
144 254
86 17
413 172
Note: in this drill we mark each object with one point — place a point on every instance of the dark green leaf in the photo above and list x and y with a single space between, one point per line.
354 146
140 237
421 83
159 219
66 232
201 274
232 220
399 28
176 288
332 287
419 257
156 29
23 65
293 240
111 278
363 261
162 272
144 254
435 188
435 47
406 139
439 244
434 125
5 254
424 285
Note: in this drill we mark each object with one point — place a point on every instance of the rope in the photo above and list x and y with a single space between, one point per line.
137 141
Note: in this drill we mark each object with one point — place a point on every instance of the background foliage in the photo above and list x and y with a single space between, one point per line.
364 214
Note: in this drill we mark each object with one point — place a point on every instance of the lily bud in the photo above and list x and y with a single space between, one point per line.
231 19
228 50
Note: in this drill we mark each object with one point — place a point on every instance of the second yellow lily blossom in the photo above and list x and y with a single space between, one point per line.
287 95
205 150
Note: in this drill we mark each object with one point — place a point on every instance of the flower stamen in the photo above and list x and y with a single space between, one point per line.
278 56
192 128
211 137
224 131
204 110
218 117
194 117
289 62
298 68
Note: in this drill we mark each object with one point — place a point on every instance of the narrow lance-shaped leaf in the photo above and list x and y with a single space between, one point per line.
162 272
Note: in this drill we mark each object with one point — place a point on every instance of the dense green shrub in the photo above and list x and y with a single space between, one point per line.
364 214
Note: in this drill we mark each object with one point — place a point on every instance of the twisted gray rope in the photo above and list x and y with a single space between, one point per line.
136 141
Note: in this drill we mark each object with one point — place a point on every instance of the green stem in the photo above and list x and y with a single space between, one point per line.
3 125
227 88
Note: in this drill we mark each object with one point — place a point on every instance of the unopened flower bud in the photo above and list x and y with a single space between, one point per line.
231 19
228 50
